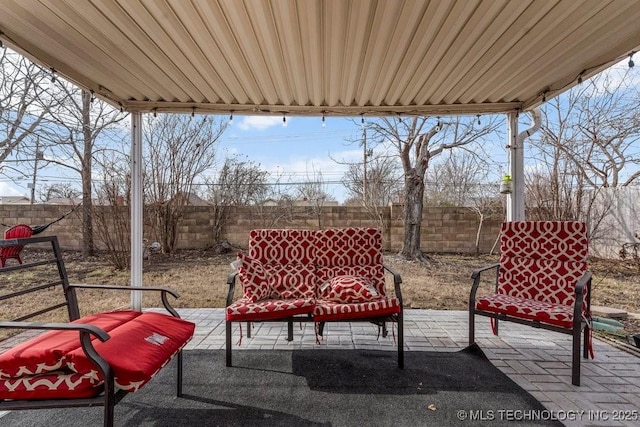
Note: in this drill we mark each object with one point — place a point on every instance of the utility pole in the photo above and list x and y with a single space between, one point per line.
364 165
39 156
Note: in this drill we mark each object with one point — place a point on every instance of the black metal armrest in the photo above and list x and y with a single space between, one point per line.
476 275
163 293
93 330
397 281
583 284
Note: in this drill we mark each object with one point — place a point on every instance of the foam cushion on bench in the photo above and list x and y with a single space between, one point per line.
62 384
244 309
47 352
148 339
326 311
544 312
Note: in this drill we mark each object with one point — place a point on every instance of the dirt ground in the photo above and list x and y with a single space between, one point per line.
200 278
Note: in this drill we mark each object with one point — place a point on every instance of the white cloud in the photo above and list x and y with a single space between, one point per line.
259 122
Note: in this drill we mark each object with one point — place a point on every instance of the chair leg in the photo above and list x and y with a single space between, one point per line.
575 355
400 340
472 327
179 375
290 330
228 343
248 329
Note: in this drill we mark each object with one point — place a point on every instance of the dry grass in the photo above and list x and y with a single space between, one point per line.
200 278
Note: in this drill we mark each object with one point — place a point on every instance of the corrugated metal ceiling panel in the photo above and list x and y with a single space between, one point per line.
324 56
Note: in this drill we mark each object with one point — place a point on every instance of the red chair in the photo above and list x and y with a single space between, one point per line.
19 231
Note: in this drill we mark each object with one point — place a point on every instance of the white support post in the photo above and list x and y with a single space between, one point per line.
136 209
515 200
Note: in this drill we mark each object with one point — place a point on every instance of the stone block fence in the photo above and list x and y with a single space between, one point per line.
444 229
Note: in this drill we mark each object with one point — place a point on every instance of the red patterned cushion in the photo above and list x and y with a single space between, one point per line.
47 352
51 385
254 278
245 310
154 337
375 273
348 289
544 312
150 339
542 260
326 311
281 246
292 280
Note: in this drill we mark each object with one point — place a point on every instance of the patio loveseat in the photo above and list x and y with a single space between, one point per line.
331 275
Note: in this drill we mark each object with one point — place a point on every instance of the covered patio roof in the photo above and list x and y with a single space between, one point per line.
316 57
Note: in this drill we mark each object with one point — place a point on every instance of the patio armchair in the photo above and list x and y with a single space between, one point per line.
542 280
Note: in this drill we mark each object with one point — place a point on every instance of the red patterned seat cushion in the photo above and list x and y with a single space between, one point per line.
348 289
53 365
254 278
542 260
350 251
326 311
245 310
288 257
544 312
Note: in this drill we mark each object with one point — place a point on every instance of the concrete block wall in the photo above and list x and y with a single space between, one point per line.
444 229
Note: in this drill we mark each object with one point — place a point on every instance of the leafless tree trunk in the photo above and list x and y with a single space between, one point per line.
83 126
417 141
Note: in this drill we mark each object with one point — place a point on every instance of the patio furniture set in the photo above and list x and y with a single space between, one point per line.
319 276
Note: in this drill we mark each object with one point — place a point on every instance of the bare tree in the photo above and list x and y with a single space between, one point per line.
589 142
383 181
82 127
25 104
239 183
315 194
462 179
113 222
179 150
417 141
59 191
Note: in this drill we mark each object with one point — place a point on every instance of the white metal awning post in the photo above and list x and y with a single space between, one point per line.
136 209
515 200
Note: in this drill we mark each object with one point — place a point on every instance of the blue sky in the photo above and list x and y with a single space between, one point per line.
299 150
295 153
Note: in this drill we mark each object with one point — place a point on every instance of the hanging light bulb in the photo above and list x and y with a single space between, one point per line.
438 125
362 120
231 118
155 112
479 123
284 120
92 97
53 75
324 123
193 112
631 63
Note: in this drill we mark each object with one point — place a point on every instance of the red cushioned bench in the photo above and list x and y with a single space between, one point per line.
94 360
330 275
